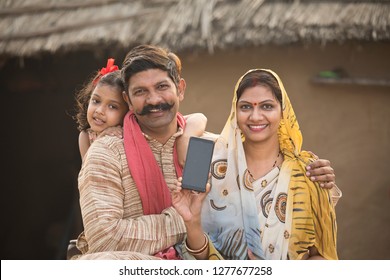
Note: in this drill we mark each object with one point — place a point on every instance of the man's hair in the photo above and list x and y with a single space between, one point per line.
145 57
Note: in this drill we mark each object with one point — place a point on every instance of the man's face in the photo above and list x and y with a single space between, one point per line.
154 99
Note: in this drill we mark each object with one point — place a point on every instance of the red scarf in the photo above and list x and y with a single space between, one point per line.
148 177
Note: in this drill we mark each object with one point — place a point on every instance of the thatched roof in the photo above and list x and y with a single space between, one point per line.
30 27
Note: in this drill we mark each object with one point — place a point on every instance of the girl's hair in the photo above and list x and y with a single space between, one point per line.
260 78
83 96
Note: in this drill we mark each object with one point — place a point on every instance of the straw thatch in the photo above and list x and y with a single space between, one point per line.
30 27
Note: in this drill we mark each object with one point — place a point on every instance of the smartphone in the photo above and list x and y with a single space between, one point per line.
197 164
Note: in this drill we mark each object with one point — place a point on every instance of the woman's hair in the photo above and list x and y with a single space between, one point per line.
83 96
145 57
260 78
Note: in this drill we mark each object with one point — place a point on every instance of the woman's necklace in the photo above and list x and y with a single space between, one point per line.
273 166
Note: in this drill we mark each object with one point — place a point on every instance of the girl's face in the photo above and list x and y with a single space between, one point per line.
258 114
106 108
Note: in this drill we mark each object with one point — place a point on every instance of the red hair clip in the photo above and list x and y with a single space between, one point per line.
110 67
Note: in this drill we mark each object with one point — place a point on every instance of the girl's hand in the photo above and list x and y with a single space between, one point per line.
112 131
196 125
181 148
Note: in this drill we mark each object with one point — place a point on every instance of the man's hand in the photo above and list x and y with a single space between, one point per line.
320 171
188 203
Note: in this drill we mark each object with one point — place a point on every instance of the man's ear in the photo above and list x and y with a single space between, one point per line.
127 99
181 89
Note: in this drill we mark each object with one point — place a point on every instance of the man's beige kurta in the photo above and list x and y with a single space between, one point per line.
113 219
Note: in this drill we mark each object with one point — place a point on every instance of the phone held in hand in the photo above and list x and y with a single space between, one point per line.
197 164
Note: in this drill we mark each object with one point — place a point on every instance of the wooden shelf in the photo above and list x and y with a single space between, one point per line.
351 81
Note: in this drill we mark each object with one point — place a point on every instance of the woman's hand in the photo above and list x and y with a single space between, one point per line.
252 256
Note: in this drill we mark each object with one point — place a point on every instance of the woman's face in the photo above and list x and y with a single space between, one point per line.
106 108
258 114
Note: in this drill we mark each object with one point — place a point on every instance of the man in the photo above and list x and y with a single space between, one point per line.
124 184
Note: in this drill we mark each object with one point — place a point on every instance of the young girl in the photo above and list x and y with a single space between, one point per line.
101 109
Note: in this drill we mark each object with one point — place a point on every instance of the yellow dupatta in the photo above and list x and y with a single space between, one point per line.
313 221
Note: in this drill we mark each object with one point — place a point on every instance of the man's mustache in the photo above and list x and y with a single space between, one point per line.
148 108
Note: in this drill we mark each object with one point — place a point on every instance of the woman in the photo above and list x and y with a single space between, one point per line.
261 204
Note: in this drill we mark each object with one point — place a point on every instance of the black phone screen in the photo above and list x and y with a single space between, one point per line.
197 165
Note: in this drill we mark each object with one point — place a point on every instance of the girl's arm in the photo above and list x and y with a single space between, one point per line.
112 131
196 125
84 143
